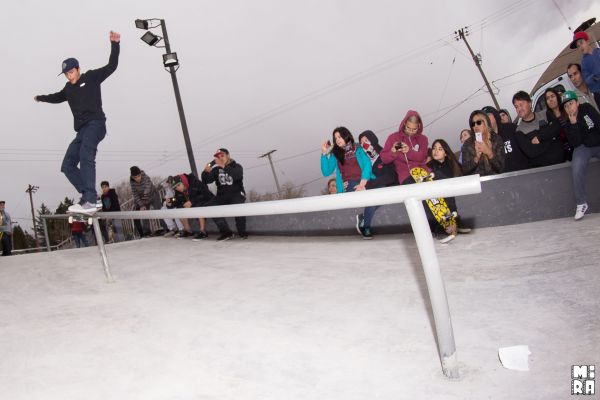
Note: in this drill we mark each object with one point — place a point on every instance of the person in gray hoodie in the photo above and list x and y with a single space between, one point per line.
145 197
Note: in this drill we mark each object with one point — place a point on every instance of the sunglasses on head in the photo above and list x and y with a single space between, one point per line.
477 122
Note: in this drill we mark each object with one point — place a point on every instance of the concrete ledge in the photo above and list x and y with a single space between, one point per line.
506 199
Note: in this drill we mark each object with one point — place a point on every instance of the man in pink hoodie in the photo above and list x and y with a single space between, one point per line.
407 148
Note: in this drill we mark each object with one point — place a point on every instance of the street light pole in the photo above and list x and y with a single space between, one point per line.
184 127
272 169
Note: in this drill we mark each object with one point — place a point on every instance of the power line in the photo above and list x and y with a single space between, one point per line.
563 15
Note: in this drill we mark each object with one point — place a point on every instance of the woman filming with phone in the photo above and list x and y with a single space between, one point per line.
352 167
407 148
482 153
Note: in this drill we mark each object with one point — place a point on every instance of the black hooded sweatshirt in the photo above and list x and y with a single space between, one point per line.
229 179
587 129
549 151
196 192
110 201
385 174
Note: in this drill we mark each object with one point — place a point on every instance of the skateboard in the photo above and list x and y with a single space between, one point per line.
438 206
81 217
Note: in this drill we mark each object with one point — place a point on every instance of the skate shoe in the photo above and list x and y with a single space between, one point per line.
580 211
360 223
85 208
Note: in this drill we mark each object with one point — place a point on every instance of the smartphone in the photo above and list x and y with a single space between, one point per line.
398 146
478 137
329 143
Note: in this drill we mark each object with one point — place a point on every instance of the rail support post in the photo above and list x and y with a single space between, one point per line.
102 250
435 287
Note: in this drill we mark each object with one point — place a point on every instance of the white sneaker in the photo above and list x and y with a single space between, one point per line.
580 211
447 238
85 208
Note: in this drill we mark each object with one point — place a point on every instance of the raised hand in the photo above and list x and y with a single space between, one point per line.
115 37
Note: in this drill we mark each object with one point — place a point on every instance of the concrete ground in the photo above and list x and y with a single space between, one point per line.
301 318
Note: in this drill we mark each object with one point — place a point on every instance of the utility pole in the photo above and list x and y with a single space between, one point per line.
272 169
32 189
462 33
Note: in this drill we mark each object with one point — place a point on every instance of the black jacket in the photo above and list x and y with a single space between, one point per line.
514 158
385 174
587 129
441 170
549 151
85 97
110 201
229 180
197 192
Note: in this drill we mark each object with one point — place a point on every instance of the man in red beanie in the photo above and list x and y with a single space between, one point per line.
590 62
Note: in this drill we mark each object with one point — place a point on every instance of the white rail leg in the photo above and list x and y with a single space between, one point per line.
46 236
100 242
436 288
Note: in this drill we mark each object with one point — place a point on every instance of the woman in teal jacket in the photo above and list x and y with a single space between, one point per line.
352 169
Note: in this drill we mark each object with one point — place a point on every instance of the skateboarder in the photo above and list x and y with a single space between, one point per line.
82 92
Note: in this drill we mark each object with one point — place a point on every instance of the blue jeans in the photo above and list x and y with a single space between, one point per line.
579 163
369 212
6 244
82 152
79 238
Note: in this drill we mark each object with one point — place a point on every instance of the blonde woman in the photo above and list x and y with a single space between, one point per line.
483 153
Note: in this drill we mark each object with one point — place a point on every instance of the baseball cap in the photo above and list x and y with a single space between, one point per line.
221 151
176 181
489 110
69 64
577 36
568 96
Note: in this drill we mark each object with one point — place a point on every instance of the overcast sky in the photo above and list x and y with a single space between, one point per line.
257 76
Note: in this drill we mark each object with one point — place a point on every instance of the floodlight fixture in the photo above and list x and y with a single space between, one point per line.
170 60
150 38
142 24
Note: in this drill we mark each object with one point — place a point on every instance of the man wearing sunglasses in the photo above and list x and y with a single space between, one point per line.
538 138
229 178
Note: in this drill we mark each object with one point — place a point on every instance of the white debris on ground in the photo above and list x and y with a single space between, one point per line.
301 317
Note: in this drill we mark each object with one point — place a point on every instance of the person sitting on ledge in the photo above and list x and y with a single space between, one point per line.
353 169
444 165
191 192
514 158
583 132
483 153
538 138
228 175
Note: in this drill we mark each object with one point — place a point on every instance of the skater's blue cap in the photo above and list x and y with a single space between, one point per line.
69 64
